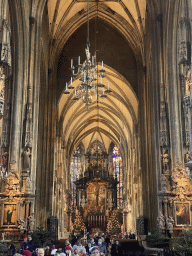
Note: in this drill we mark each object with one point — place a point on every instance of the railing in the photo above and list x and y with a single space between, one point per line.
96 221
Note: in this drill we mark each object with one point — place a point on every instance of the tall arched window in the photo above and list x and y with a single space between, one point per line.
76 171
117 173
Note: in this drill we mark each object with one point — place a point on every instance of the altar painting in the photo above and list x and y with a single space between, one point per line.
9 217
96 192
182 214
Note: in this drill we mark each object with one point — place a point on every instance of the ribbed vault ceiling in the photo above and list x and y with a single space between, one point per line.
115 118
111 120
61 11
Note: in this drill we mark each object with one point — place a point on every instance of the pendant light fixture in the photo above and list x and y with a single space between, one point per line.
91 79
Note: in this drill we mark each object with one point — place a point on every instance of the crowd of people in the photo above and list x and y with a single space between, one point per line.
99 245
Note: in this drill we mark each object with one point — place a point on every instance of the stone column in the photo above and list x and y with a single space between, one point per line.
188 101
125 221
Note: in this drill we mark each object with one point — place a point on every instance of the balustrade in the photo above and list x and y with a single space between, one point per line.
96 221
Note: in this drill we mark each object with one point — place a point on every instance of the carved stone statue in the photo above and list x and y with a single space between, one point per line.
22 224
161 221
163 183
19 223
31 221
6 47
170 223
12 182
4 162
187 156
27 159
165 160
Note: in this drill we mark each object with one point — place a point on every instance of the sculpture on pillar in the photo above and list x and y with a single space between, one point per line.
27 159
163 183
31 221
12 182
22 225
184 23
165 161
4 162
170 224
187 156
6 46
161 221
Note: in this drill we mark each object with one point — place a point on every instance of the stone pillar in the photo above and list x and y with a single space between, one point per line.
142 226
188 101
52 225
125 221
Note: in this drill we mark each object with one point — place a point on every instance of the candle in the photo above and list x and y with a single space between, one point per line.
71 80
71 63
84 76
6 174
79 60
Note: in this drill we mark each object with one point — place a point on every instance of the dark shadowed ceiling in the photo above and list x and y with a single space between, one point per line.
111 47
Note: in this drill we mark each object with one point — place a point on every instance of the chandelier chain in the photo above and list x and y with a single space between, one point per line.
88 43
89 75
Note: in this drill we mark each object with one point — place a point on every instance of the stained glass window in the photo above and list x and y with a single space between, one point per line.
117 173
76 170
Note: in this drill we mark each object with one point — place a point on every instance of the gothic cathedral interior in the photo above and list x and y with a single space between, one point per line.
95 114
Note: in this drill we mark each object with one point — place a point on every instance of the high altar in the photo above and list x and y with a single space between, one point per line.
96 190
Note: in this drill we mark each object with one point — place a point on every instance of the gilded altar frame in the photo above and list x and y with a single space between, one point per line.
9 214
182 213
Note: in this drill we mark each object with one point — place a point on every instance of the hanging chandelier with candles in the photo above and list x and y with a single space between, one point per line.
91 79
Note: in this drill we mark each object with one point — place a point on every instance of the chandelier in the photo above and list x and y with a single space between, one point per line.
91 79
